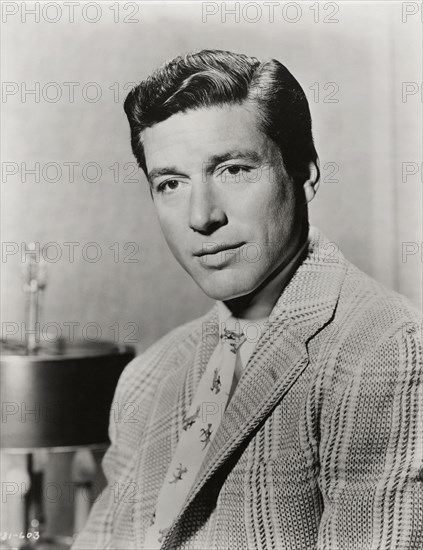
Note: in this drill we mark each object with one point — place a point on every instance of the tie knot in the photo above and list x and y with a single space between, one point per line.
232 334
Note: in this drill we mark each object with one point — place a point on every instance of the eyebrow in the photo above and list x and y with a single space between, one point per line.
211 164
156 172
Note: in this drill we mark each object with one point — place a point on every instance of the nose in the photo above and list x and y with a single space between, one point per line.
206 213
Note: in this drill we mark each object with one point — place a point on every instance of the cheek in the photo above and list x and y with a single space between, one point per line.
166 225
169 227
273 209
168 219
281 227
176 238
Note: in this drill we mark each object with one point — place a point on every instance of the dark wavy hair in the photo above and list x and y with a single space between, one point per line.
216 77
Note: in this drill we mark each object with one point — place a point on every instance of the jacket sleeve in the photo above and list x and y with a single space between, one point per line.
98 531
371 448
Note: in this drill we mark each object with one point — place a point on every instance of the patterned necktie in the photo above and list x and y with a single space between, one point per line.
198 431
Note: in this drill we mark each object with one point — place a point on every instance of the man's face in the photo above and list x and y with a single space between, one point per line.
225 203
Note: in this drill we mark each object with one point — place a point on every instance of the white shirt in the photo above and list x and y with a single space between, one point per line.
253 330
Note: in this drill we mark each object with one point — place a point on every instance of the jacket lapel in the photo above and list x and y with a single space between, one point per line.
179 386
306 305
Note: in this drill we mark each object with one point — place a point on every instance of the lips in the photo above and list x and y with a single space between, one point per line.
212 248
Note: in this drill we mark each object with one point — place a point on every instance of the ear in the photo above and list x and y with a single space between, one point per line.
311 184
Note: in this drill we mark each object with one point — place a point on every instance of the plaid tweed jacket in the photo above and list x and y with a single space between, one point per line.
320 446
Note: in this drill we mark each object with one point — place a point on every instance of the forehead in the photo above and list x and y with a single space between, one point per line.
198 134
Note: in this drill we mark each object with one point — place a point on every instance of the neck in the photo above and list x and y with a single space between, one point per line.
259 303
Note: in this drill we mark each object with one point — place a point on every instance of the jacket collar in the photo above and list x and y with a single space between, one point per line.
306 304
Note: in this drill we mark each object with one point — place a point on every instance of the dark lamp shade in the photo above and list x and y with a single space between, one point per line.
61 396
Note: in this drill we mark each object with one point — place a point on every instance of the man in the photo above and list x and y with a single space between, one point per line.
316 441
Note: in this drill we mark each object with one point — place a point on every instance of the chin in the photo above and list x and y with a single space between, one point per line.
226 289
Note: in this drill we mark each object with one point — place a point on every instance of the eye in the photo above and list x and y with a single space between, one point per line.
234 171
168 186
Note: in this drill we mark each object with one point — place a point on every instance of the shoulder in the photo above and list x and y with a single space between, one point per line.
371 312
145 370
365 315
374 338
369 361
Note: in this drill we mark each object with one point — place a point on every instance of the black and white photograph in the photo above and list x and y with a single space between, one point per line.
211 275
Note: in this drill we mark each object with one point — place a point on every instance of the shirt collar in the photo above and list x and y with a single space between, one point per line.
223 311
